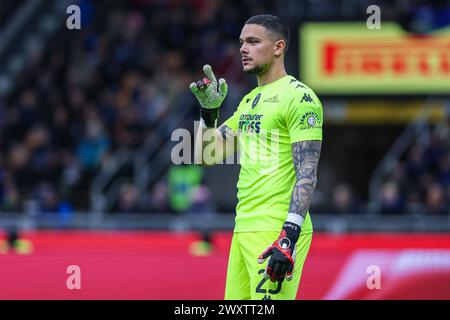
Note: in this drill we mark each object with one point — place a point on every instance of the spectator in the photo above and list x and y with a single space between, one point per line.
443 175
391 199
343 200
95 143
415 162
202 201
435 200
46 197
159 198
11 201
128 199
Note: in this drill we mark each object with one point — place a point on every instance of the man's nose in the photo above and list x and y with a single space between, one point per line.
243 49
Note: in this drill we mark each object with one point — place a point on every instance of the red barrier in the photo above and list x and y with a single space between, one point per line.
159 265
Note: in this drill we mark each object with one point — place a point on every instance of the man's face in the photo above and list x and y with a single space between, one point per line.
257 49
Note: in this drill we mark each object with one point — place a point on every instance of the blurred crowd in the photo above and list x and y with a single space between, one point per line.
104 87
419 184
7 10
421 181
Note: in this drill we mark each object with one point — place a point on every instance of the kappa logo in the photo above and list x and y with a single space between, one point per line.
307 98
272 99
299 85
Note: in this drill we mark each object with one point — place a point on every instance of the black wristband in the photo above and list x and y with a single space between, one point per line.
292 231
209 116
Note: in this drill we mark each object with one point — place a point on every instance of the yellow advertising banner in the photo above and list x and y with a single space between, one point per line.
383 112
348 58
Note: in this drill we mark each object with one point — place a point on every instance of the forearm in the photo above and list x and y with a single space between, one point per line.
302 195
213 145
204 140
305 156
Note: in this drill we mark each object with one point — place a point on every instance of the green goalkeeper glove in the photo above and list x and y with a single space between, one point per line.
210 94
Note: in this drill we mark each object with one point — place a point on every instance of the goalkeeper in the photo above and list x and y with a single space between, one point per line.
281 119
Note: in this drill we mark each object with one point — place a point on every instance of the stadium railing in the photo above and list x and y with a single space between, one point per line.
214 222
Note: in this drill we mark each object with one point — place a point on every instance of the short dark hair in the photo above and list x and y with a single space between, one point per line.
273 24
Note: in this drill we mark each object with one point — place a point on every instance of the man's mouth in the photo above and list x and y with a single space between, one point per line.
245 60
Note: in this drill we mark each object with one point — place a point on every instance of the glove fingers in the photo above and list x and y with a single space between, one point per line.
263 256
273 277
193 87
282 273
277 270
267 273
290 267
209 73
289 271
223 87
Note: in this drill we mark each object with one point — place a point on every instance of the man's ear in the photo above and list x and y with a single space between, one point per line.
279 47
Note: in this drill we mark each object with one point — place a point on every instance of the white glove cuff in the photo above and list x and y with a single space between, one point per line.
295 218
203 124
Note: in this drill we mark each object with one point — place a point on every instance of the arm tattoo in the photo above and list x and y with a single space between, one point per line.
228 140
226 131
305 155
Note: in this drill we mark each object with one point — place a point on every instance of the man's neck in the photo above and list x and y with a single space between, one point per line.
271 75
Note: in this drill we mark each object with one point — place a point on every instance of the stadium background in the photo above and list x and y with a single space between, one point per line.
86 118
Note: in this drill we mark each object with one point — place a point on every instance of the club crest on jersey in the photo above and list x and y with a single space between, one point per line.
256 100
